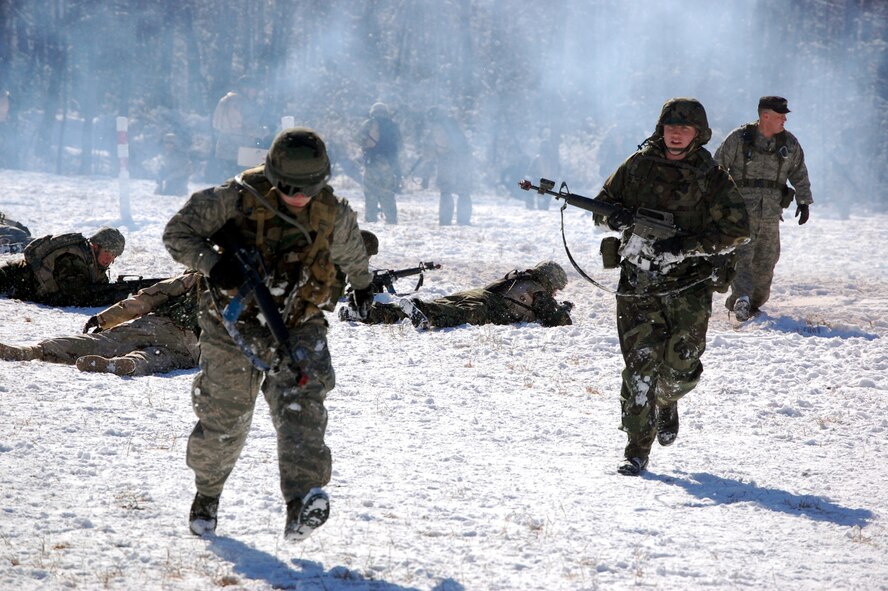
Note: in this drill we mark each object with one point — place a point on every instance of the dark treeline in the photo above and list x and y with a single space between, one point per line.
591 75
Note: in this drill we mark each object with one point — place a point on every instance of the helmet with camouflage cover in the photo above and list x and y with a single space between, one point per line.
686 111
297 162
109 239
550 274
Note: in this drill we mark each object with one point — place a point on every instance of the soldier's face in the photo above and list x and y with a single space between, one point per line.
677 138
104 258
771 122
295 201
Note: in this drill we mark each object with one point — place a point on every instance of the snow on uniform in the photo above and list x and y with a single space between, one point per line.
224 391
662 337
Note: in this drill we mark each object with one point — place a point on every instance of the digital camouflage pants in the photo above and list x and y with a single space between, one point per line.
380 184
469 307
224 394
756 262
154 343
662 340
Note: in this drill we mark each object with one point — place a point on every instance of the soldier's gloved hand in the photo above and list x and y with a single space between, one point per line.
360 302
93 322
672 246
620 220
802 213
567 306
226 273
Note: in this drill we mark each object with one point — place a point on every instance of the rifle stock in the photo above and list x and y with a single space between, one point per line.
122 288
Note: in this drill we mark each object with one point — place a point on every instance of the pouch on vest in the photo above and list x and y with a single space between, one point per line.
610 252
724 269
788 194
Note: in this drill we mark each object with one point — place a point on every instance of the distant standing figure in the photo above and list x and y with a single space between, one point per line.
448 150
761 157
237 123
380 141
175 168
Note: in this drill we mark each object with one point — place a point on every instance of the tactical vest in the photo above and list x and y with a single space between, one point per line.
301 267
747 138
678 187
42 253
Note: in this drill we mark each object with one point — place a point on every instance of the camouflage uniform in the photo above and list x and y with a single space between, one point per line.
301 275
520 296
380 140
761 168
59 270
156 329
14 236
663 312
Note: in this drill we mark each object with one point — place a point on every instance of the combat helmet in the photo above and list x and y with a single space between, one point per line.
686 111
371 242
297 162
109 239
550 274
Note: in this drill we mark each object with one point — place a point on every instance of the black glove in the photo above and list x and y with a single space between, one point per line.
93 322
802 213
361 300
668 245
227 273
620 220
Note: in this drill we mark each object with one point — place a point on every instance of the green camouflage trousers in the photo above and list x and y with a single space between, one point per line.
662 340
475 306
224 394
755 263
380 184
154 343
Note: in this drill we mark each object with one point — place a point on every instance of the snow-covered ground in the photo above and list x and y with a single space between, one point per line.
475 458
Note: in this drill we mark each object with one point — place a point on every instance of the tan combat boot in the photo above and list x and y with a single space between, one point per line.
12 353
116 365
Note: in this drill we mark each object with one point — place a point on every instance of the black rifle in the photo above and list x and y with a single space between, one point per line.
228 238
125 286
383 279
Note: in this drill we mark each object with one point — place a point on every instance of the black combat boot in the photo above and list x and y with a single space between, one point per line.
306 514
632 466
667 424
202 518
742 309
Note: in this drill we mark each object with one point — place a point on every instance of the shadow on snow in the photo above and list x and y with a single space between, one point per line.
806 328
302 575
724 491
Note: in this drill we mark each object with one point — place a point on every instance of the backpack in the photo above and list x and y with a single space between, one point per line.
41 255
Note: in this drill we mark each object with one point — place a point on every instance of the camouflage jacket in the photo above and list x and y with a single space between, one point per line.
301 275
174 298
706 206
770 161
71 273
528 300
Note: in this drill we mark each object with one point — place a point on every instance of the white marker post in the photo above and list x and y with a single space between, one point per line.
126 217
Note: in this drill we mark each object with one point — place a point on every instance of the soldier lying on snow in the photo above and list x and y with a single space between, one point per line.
154 331
61 270
520 296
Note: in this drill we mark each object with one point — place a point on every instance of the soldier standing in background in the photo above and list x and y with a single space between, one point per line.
60 270
664 297
380 141
448 151
301 233
761 157
175 167
237 123
154 331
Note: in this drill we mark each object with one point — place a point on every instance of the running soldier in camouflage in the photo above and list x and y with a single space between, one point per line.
663 306
154 331
520 296
761 157
60 270
301 232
